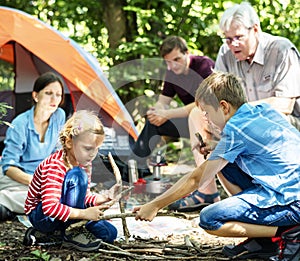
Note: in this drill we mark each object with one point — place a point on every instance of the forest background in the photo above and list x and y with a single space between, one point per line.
118 31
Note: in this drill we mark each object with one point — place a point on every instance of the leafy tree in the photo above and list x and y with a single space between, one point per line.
117 31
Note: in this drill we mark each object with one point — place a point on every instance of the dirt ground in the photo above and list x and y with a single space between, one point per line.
195 244
205 247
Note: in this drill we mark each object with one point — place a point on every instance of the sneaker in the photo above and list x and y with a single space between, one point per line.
6 214
34 237
289 245
81 239
262 248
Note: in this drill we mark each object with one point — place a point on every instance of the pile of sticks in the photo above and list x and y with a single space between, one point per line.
136 248
152 249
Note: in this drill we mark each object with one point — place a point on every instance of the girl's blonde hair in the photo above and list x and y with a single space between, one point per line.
80 122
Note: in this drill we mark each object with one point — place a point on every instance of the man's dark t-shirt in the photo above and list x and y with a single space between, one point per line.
185 85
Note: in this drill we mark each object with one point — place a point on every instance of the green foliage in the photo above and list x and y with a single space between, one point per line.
6 76
147 23
3 112
37 254
41 255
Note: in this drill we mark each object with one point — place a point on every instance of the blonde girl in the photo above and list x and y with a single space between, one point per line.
59 193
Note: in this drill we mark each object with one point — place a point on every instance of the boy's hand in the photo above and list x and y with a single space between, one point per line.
146 212
206 148
201 146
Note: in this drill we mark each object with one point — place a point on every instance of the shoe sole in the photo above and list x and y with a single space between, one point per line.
31 240
193 208
49 244
84 249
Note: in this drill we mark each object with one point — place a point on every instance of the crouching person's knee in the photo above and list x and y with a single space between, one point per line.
208 219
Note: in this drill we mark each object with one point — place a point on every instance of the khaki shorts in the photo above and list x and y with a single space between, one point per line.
12 194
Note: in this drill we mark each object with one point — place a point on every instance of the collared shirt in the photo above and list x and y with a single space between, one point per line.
266 147
274 70
23 148
185 85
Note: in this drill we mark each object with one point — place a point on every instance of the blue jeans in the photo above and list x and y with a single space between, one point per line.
232 208
73 194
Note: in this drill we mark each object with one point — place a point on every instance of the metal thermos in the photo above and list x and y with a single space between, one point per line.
132 171
156 167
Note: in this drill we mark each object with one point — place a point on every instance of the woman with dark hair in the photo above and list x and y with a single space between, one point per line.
31 138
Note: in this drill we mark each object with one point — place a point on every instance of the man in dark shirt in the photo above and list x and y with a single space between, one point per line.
183 75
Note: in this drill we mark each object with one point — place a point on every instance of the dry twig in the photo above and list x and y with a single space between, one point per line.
125 215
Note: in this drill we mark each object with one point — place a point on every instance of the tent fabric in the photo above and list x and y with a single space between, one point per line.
22 35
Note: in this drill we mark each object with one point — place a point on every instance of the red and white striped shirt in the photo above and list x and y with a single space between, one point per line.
46 187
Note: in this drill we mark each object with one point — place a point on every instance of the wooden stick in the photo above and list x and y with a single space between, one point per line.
121 202
125 215
187 241
124 223
115 168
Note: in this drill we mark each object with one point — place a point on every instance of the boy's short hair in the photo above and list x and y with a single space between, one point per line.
221 86
171 43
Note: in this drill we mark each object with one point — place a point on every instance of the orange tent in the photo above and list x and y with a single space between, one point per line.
35 47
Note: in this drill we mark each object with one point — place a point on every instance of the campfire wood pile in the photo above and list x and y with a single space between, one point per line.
152 249
137 248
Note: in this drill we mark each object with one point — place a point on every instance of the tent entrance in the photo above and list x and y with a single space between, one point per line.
16 83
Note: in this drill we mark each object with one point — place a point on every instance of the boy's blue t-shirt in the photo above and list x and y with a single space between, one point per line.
266 147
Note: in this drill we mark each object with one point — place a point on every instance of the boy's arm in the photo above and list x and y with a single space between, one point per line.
200 177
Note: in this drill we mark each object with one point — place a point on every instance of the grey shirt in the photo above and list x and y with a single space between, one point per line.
274 70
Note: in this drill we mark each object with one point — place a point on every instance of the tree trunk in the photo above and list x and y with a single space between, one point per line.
115 21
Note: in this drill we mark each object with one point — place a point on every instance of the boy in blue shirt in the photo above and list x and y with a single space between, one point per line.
257 161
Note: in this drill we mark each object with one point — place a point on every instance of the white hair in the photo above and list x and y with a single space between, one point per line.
241 14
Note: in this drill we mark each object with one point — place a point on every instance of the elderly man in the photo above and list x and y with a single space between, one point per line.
268 65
